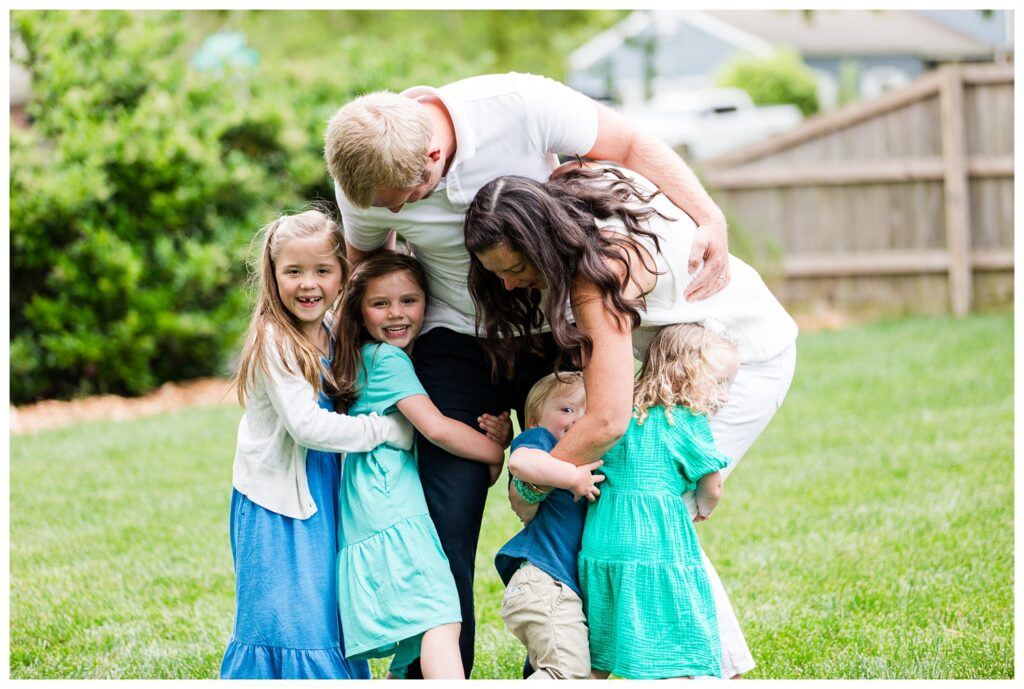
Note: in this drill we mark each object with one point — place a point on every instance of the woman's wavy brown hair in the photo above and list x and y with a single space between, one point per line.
350 332
553 224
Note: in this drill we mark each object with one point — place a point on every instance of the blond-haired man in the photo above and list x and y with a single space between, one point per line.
409 165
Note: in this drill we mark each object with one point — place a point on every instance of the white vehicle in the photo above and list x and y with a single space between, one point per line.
704 123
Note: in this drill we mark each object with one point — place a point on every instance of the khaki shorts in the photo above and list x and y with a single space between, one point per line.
547 616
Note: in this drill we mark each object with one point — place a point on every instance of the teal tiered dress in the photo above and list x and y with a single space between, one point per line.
646 594
394 581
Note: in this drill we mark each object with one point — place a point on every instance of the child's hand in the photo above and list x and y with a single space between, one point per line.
584 485
697 518
497 428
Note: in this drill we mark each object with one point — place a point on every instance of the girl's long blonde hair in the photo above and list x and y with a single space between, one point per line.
686 365
269 310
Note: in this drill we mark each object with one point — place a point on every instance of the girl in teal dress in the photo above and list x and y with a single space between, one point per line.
646 593
396 593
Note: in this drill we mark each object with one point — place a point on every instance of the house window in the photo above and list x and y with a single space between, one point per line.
878 80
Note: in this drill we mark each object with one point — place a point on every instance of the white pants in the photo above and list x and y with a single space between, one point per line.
754 397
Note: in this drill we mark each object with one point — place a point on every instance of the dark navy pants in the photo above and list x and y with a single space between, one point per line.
457 376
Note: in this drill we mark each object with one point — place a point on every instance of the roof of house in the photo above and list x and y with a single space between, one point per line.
823 33
818 33
664 23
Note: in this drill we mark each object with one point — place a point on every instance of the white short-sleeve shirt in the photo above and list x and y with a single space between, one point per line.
505 124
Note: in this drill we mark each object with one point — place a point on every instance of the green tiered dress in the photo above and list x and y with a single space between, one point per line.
645 591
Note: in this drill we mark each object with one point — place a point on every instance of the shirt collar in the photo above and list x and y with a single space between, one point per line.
465 144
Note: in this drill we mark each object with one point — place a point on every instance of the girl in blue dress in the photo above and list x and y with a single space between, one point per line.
396 592
286 468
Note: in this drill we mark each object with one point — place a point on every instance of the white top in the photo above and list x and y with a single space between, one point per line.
282 419
505 124
745 309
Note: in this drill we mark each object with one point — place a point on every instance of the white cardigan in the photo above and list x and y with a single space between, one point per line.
281 420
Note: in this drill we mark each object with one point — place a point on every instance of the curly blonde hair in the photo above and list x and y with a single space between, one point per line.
686 365
377 141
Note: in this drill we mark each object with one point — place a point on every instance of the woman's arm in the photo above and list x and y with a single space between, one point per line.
607 378
541 469
707 494
449 434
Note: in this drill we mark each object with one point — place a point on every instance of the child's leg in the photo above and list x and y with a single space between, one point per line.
599 674
439 653
547 616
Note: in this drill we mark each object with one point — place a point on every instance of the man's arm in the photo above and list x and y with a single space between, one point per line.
355 256
352 223
620 142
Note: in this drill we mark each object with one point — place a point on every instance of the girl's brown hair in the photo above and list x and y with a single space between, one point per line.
269 309
552 224
686 365
349 330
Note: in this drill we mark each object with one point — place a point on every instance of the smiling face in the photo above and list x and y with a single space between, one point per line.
512 268
309 276
562 409
393 309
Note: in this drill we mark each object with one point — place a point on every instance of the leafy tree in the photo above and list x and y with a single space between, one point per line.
781 78
131 195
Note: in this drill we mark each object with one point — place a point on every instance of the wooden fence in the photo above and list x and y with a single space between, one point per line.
904 201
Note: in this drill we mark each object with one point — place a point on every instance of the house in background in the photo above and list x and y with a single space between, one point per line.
868 52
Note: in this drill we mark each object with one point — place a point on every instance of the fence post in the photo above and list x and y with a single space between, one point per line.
957 200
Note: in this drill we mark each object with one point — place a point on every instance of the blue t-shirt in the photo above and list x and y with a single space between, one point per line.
552 540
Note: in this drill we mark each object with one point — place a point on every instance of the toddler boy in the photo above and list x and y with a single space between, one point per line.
542 605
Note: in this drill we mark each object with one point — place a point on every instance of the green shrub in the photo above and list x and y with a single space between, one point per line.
782 78
132 194
140 182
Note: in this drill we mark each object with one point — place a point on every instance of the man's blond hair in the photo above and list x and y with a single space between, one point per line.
377 141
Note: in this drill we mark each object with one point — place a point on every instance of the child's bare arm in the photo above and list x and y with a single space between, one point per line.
707 494
454 436
526 511
541 469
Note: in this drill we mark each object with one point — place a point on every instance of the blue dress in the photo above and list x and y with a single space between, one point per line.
395 581
286 604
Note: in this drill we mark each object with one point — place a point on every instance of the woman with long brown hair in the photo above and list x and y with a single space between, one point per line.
601 258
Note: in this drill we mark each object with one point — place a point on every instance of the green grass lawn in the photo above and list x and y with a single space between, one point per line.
868 534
